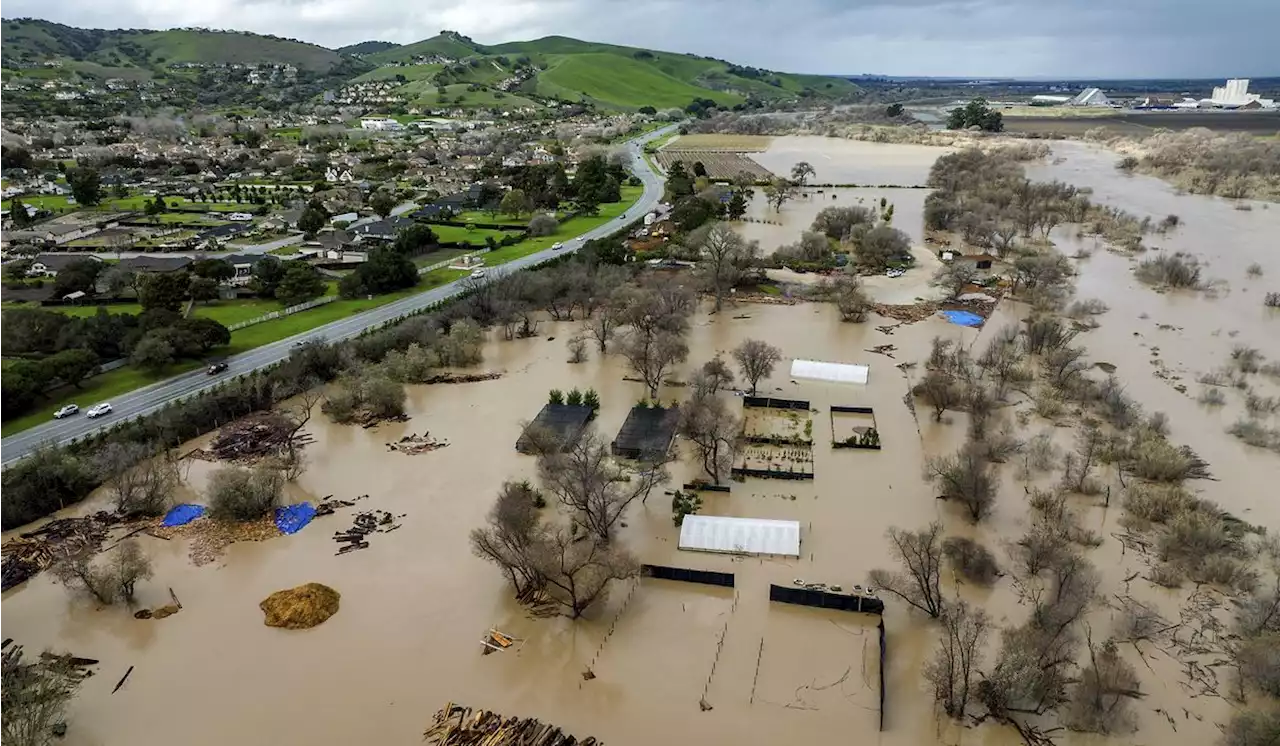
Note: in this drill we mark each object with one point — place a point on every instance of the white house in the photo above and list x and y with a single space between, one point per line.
241 217
334 175
381 124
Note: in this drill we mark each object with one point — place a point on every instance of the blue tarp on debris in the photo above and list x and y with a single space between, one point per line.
181 515
291 518
963 318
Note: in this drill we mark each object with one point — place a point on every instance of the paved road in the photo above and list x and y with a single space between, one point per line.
146 400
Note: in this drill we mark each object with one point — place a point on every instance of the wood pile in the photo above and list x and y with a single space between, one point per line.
415 444
36 550
210 537
253 437
366 523
457 725
462 377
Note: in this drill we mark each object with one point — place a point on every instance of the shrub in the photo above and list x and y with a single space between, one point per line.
591 399
1272 300
1257 727
1254 270
1180 270
974 562
240 494
556 396
574 398
1212 397
1157 503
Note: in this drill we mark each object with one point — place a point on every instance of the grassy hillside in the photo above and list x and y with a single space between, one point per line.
99 52
621 81
367 47
445 45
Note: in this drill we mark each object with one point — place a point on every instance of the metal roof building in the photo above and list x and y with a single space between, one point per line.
713 533
830 372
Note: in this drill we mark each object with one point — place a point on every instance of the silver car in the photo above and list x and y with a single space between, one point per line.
66 411
99 410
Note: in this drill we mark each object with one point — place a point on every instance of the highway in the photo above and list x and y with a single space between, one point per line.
146 400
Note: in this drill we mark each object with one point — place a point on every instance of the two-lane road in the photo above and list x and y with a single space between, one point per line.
151 398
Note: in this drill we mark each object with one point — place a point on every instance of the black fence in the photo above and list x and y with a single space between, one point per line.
743 472
647 433
882 674
749 402
869 440
825 600
705 487
706 577
565 422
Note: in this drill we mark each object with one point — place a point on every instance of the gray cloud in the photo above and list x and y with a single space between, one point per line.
1024 38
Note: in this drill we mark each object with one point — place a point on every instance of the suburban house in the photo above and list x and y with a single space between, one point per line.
434 212
54 233
381 230
156 264
48 265
335 240
243 265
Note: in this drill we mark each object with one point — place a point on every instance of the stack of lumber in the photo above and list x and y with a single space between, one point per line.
457 725
368 522
35 550
254 436
415 444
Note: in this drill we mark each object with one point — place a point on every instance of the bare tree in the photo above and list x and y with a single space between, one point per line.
510 537
577 348
587 481
971 560
712 428
920 553
712 377
954 277
1089 444
35 696
109 579
778 192
966 477
939 390
577 572
756 359
128 565
140 480
801 172
958 656
603 325
725 257
652 356
244 494
852 303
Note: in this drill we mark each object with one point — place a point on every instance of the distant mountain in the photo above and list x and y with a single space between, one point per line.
607 75
367 47
97 52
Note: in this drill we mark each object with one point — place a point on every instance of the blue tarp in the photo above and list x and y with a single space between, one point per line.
181 515
963 318
291 518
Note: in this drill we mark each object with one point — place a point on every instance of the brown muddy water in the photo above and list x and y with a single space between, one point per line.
416 603
837 161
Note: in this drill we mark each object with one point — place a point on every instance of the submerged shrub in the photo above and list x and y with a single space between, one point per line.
1180 270
974 562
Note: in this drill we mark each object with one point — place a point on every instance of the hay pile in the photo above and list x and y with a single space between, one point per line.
300 608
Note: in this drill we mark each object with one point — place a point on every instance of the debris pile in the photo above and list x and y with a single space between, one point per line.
254 436
415 444
496 641
457 725
328 505
300 608
463 377
35 550
210 538
366 523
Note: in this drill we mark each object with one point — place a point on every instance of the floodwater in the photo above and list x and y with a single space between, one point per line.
416 603
837 161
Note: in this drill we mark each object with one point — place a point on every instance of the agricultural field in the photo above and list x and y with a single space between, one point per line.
719 164
725 142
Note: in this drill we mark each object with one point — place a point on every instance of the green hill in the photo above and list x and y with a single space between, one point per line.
612 79
29 42
446 44
367 47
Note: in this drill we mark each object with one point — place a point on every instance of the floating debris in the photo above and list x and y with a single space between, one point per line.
29 553
886 350
211 537
370 522
415 444
252 437
457 725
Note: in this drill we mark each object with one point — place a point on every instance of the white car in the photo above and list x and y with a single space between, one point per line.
478 274
66 411
557 246
895 272
98 410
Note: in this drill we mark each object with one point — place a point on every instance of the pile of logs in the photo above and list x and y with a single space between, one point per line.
457 725
368 522
257 435
415 444
36 550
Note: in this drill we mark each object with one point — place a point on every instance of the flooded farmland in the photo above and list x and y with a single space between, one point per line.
416 603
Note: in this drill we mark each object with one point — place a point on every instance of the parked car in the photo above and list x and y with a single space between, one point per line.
66 411
98 410
478 274
217 368
895 272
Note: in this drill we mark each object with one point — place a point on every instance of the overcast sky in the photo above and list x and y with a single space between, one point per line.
1020 38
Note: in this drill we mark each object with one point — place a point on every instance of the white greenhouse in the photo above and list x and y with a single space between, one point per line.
713 533
830 372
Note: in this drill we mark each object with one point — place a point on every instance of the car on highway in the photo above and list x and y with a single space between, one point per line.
478 274
557 246
99 410
66 411
217 368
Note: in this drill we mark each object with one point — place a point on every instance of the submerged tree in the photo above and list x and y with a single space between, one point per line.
593 486
713 430
919 581
959 654
756 359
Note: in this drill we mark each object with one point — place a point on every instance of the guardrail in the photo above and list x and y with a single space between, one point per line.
283 312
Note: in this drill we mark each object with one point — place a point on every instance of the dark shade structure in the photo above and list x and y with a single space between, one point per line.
565 422
868 441
686 575
825 599
749 402
883 650
742 471
647 433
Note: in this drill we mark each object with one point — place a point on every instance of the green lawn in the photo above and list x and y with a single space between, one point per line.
476 236
140 201
224 312
92 391
51 202
180 218
437 256
289 250
567 230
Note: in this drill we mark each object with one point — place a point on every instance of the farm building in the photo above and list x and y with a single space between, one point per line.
1090 97
564 423
713 533
830 372
647 433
